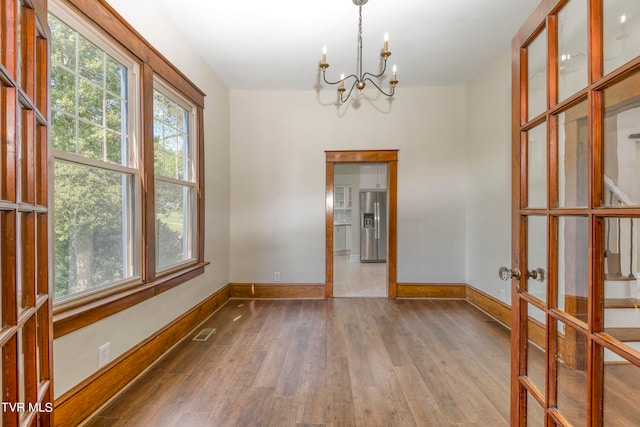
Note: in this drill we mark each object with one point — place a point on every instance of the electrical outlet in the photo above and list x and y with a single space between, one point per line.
503 295
276 276
103 355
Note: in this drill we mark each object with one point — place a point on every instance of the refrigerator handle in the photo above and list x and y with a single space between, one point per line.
376 209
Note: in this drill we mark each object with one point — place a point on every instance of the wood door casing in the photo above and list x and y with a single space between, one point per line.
390 157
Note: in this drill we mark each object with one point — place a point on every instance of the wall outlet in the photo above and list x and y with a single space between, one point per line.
276 276
103 355
503 295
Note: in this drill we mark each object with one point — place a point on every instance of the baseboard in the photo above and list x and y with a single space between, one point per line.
431 290
84 399
495 308
277 290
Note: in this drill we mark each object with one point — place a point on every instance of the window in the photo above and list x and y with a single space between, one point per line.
126 153
173 140
95 167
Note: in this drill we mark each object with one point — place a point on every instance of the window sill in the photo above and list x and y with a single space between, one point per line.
71 319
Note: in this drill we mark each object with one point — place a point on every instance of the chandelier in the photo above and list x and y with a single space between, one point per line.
360 79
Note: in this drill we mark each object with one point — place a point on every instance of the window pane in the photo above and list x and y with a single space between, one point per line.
573 266
573 157
621 315
537 75
537 256
571 363
572 48
621 21
171 138
621 143
91 61
536 347
174 223
93 228
63 51
621 391
537 167
88 96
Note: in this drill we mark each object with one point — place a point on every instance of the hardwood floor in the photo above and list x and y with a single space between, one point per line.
340 362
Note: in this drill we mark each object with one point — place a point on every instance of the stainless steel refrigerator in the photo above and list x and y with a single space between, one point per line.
373 226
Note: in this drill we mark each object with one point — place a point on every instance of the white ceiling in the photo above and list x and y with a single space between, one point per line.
277 44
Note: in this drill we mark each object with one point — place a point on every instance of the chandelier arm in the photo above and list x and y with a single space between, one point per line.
393 89
324 77
375 76
348 94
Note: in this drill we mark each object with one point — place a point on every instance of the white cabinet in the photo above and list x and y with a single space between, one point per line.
341 239
342 197
373 176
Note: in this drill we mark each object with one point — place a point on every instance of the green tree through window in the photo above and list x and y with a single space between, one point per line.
94 168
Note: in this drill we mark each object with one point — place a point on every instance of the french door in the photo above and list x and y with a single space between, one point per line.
25 309
576 215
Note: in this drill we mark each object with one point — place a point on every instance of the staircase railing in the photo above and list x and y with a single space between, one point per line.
614 235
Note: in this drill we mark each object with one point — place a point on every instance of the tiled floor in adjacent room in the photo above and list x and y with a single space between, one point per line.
356 279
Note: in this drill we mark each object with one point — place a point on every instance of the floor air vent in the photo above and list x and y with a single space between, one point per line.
204 334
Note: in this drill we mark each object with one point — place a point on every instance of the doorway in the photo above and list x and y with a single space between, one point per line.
360 230
339 256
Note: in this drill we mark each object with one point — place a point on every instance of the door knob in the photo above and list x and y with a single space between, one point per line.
506 273
538 274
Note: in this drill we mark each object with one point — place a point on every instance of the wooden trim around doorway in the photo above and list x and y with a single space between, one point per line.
390 157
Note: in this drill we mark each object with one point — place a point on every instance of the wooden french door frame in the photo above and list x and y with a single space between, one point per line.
390 158
26 335
586 324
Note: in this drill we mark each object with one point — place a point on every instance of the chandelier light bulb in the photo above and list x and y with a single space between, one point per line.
324 55
623 19
386 42
395 69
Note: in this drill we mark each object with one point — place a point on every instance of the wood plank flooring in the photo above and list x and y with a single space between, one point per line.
340 362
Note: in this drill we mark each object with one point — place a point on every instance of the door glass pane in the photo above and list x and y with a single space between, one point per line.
622 143
573 266
537 75
621 21
535 412
621 391
573 157
572 48
21 374
571 362
537 166
536 347
621 288
537 257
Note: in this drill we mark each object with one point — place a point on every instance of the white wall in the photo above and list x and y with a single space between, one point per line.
488 164
76 354
278 139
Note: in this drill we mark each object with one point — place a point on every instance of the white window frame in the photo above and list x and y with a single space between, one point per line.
192 208
133 239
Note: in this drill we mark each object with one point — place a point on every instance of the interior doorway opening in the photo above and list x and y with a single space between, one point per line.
360 212
350 270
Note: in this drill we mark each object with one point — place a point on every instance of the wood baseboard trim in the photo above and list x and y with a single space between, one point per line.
277 290
431 290
77 404
490 305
